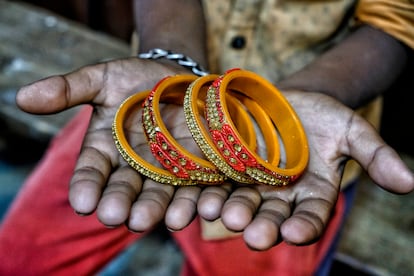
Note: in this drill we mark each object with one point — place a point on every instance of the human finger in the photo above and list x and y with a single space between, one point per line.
97 158
307 222
312 207
150 207
211 201
121 191
263 232
57 93
240 208
182 208
382 163
89 177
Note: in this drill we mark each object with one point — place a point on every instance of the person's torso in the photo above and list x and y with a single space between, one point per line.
272 37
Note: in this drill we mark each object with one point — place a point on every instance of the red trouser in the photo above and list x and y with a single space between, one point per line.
42 235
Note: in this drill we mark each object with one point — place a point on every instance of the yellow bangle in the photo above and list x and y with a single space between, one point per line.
283 116
135 160
204 140
265 125
200 132
127 152
171 155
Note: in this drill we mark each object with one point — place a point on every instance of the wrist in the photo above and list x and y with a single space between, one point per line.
177 26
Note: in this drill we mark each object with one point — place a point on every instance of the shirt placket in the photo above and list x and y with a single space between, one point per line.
238 38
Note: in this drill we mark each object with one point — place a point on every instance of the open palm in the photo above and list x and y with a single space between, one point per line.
104 183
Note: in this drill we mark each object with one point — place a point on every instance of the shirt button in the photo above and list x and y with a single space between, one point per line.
238 42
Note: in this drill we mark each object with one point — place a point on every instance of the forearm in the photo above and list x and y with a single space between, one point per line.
172 25
356 70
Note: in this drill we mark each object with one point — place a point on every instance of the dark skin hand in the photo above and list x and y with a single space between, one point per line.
298 214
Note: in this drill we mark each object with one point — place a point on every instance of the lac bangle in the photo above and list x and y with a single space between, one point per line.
280 111
204 140
170 154
265 124
127 152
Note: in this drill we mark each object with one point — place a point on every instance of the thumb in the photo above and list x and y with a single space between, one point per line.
390 172
379 160
58 93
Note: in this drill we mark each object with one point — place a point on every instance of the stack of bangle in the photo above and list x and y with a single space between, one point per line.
181 166
221 113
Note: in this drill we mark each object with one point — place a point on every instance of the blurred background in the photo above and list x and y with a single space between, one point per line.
45 37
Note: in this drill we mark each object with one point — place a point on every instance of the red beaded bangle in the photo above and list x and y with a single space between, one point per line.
232 149
202 136
127 152
170 154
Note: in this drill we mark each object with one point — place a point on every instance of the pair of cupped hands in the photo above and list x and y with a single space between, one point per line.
266 215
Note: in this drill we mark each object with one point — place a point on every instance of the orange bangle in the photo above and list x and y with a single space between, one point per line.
288 125
204 140
264 123
169 153
128 153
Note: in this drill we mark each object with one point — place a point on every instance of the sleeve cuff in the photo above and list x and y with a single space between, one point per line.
394 17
